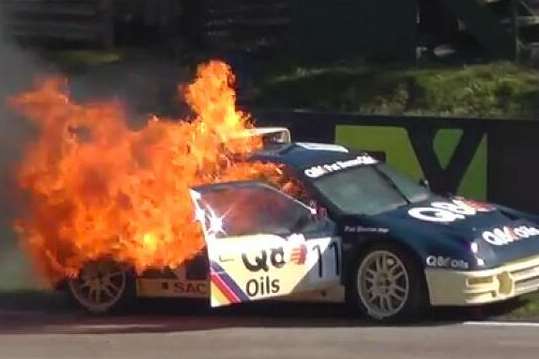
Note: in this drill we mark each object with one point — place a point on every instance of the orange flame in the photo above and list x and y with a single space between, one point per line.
98 189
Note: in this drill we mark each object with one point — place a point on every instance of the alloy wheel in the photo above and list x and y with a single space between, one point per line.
383 284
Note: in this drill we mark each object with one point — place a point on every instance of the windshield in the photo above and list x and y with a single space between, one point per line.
370 190
413 192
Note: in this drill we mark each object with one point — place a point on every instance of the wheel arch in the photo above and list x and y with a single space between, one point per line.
60 286
406 253
360 247
118 302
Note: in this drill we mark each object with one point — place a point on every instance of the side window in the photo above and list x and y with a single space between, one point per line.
237 210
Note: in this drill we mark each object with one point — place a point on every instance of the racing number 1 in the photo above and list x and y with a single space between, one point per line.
335 258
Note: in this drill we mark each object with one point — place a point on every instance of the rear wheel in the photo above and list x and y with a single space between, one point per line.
102 287
388 285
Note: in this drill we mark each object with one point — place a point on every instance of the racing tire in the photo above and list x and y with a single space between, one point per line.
387 284
103 287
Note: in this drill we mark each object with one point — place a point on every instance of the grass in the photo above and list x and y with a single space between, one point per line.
499 89
527 309
486 90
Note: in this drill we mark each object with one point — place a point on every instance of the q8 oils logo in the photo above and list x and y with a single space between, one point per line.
447 212
507 235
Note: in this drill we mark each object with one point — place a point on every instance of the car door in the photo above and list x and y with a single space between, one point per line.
263 244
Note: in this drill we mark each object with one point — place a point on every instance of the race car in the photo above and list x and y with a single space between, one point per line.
360 233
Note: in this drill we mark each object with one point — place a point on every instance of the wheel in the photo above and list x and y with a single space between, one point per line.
387 284
102 287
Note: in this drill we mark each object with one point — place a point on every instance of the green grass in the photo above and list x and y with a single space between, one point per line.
486 90
499 89
527 309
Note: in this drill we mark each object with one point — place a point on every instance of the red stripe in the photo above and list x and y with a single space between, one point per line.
233 298
228 293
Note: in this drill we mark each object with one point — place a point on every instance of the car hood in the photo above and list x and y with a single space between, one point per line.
455 223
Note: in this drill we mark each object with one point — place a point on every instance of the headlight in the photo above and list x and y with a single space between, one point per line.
480 262
474 247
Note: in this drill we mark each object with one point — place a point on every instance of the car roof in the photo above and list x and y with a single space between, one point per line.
303 155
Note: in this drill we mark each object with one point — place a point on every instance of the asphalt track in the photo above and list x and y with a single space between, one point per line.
44 327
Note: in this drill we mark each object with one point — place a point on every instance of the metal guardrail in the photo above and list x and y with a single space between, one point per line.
512 148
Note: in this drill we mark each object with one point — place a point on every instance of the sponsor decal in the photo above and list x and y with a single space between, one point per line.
507 235
321 170
265 284
298 255
275 258
477 205
184 287
361 229
225 259
322 147
226 285
445 212
190 287
446 262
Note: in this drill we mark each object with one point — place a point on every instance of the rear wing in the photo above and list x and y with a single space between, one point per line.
269 135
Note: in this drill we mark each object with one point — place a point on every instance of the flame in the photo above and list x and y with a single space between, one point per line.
97 189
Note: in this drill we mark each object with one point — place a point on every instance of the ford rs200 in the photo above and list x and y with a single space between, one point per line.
357 232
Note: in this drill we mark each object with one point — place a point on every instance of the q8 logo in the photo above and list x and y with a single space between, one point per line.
445 212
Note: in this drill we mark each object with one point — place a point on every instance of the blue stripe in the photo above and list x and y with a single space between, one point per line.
217 269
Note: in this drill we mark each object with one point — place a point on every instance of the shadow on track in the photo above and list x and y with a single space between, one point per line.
44 312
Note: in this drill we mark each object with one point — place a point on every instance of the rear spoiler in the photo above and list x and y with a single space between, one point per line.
269 135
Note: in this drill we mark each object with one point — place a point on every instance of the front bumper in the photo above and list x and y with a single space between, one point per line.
449 287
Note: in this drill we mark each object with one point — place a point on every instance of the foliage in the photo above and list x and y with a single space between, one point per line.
485 90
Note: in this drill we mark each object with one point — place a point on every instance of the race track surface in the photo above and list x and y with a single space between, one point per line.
44 327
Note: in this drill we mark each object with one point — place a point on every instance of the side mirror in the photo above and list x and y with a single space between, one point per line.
424 183
317 212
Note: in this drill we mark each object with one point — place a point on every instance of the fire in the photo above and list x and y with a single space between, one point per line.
97 189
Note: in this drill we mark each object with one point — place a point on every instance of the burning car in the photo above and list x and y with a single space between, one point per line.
357 232
211 207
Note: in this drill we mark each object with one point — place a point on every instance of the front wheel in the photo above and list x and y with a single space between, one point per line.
102 287
388 285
